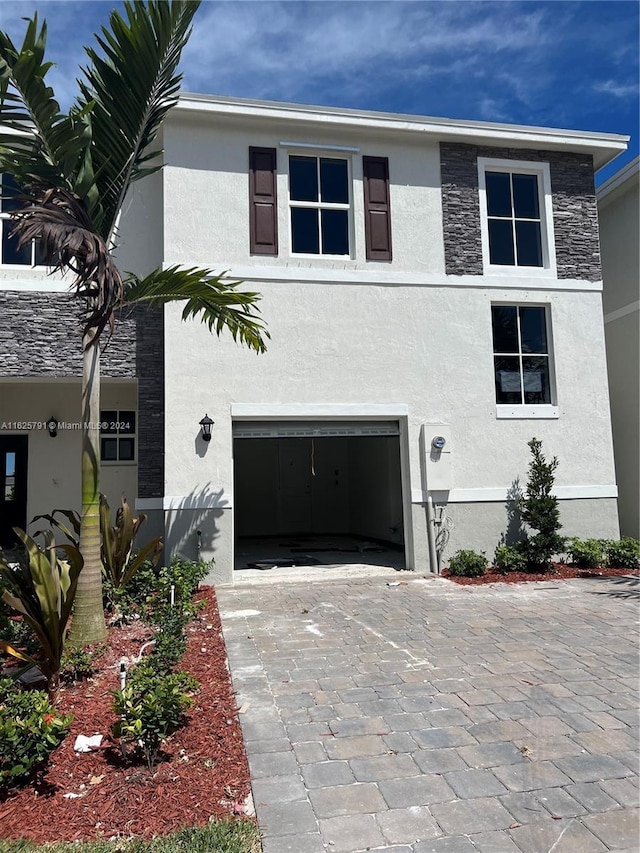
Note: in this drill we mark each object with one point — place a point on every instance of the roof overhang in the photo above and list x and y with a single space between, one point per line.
626 175
604 147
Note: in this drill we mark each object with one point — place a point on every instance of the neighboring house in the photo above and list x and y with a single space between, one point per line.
618 208
422 279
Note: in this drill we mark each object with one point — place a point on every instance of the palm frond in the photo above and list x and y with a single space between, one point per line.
216 302
130 89
39 145
68 240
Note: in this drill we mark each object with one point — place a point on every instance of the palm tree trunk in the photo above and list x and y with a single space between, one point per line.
88 625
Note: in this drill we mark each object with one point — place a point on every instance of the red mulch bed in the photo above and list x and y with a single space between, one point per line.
558 571
204 772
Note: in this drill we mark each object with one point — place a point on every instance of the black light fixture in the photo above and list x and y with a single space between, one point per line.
52 427
206 423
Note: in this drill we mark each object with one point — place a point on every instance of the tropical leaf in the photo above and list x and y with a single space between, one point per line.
39 145
71 531
129 91
68 241
41 587
210 298
118 541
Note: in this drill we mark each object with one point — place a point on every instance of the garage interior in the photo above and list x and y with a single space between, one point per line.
317 494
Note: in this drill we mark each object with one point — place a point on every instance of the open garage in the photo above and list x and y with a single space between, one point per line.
317 492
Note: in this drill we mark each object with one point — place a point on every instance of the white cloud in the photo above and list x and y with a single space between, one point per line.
618 90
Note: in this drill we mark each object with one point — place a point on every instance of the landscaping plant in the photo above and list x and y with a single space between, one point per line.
468 564
589 553
30 729
41 587
540 511
510 558
149 710
117 541
623 553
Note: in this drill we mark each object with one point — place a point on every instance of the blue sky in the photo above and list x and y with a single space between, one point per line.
559 63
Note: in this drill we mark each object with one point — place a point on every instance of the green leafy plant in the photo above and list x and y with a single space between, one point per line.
41 587
623 553
118 539
30 729
150 709
468 564
76 665
170 640
540 511
510 558
13 629
587 554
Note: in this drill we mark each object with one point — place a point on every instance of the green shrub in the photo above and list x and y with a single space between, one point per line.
30 729
623 553
540 510
76 665
510 558
150 708
468 564
588 553
149 590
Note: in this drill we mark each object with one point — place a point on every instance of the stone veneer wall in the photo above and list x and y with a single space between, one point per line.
575 215
40 337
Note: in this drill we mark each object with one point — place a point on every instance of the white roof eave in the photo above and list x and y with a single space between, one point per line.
604 147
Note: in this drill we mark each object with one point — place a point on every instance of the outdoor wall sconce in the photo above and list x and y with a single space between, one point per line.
206 423
438 442
52 427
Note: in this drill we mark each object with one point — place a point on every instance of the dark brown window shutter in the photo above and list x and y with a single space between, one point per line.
263 208
377 211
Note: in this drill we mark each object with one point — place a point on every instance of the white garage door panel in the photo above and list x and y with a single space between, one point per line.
312 429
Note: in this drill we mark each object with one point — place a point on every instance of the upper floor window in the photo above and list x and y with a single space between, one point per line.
319 201
27 255
117 435
521 356
516 216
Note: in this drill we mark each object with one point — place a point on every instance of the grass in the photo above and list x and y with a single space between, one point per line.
225 836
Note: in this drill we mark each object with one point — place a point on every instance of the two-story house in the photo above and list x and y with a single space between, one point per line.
433 292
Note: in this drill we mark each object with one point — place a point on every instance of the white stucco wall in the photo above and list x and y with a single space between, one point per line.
206 186
428 348
54 463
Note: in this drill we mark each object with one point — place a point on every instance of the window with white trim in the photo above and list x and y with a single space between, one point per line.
516 215
28 255
117 435
521 355
320 205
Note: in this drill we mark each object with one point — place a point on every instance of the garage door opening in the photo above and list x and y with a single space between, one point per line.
317 493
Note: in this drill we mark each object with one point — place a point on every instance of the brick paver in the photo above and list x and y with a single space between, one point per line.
434 717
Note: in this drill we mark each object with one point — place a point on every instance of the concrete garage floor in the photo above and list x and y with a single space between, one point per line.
312 557
425 717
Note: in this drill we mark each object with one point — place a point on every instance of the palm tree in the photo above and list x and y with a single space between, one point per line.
74 170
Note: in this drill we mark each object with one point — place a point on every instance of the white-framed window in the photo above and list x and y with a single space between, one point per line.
522 361
320 205
516 216
118 435
10 255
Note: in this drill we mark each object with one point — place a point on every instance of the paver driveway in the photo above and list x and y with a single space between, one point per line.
427 716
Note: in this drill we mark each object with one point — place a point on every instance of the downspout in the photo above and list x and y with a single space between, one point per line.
431 537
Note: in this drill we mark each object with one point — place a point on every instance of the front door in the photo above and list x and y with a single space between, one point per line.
13 487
